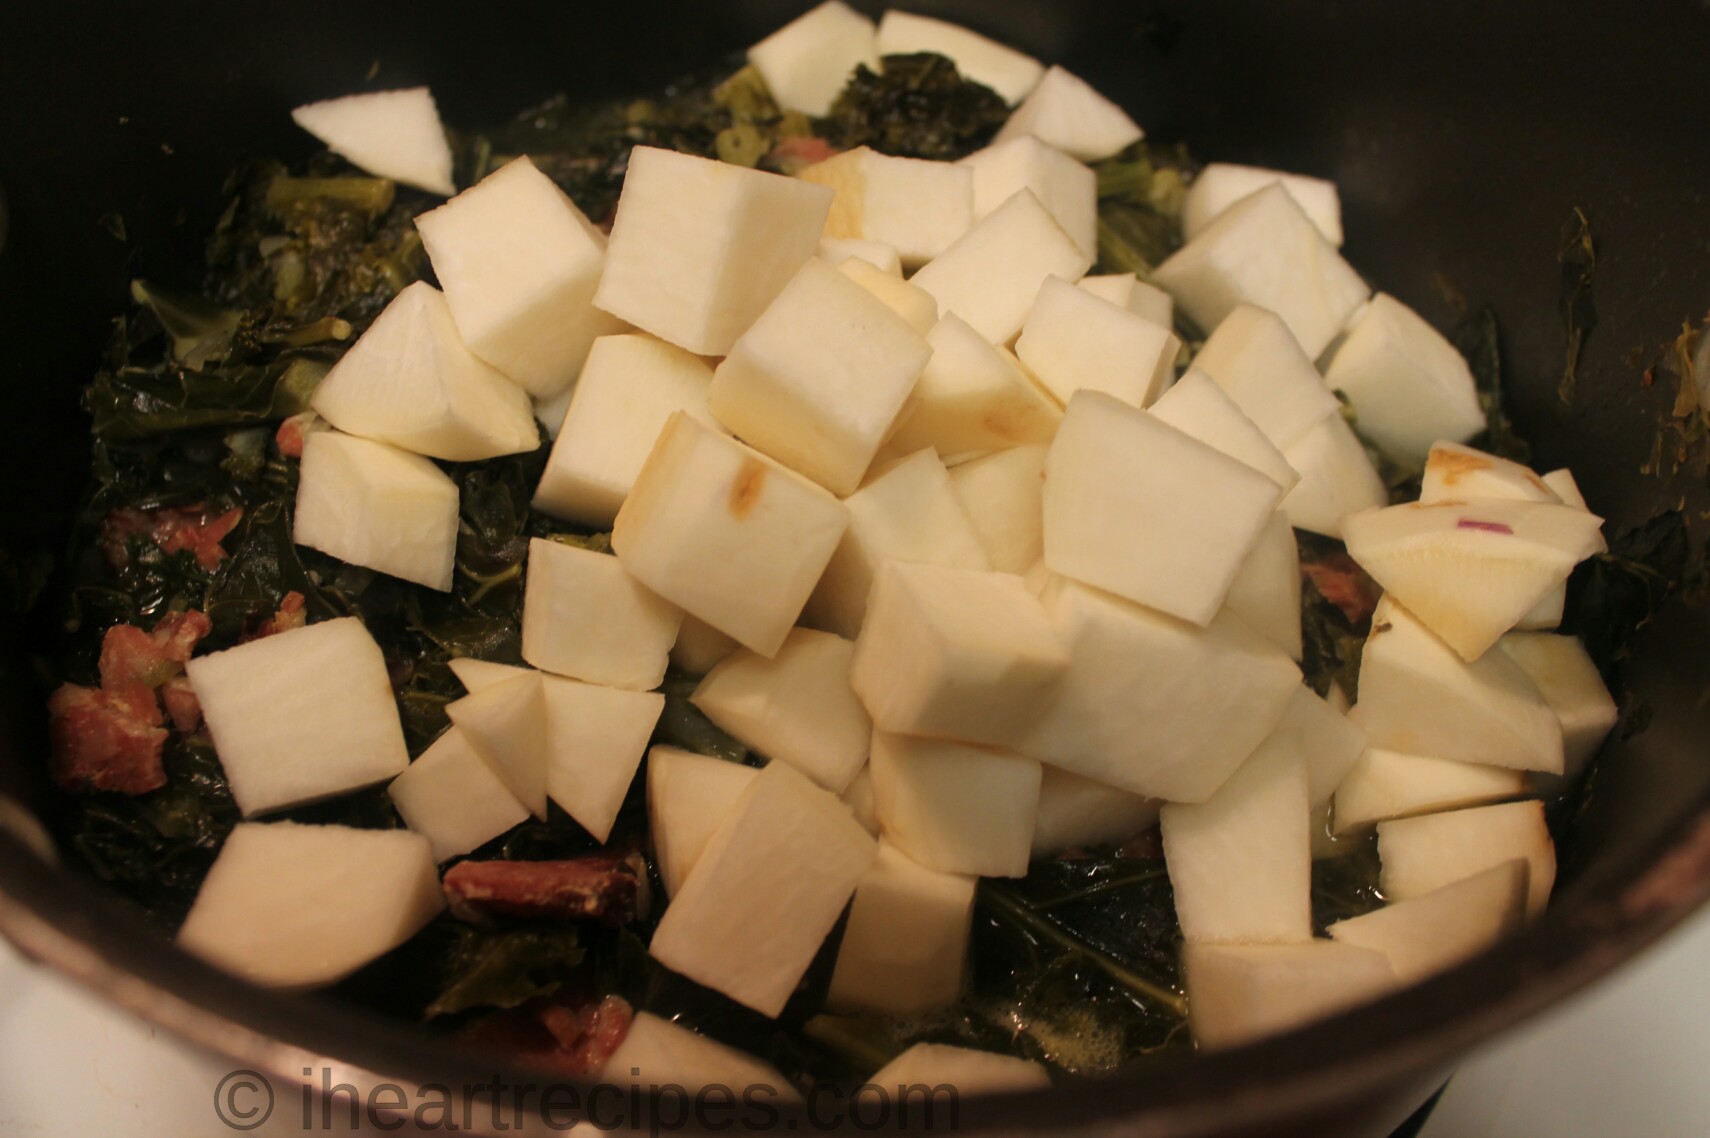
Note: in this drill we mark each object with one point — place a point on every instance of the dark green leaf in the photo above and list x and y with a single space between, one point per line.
916 106
503 969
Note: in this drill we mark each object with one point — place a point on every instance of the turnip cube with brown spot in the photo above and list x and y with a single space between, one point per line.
818 380
586 617
726 534
956 654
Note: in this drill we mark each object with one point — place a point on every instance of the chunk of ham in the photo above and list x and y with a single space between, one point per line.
597 887
1340 580
574 1038
173 528
106 740
290 615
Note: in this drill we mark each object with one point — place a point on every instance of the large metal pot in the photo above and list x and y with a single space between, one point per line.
1462 136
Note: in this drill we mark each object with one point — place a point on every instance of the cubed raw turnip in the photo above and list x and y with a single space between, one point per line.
991 276
955 654
1562 484
1265 251
1259 364
1470 571
688 796
818 380
1065 112
519 264
1457 471
585 617
450 796
918 207
301 715
727 534
834 251
1005 70
1134 506
1238 993
1197 406
505 723
954 807
858 796
395 134
908 513
796 707
1075 811
905 944
1421 855
806 62
410 381
1064 186
476 674
1437 930
699 248
656 1053
1388 784
628 388
1155 705
1409 386
1240 862
1419 697
767 888
917 308
699 647
972 398
1328 742
293 906
1567 678
1266 592
1222 184
1337 478
1075 341
965 1069
551 411
377 506
1145 301
1003 495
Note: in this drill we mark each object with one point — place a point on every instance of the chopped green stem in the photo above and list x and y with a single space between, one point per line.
1098 889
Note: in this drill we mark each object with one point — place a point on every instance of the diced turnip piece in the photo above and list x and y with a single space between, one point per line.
858 796
1437 930
1238 993
1264 250
1005 70
688 796
1566 677
1388 784
1327 742
806 62
1155 705
1222 184
700 248
972 398
1134 506
656 1053
476 674
409 381
991 276
1145 301
835 251
1003 495
1424 854
967 1070
1418 697
1259 364
450 796
955 654
263 911
395 134
820 377
1409 386
377 506
300 715
1266 592
796 707
1196 406
519 264
585 617
1337 478
1075 811
908 513
1562 484
914 305
906 941
551 411
506 725
727 534
918 207
1064 111
595 738
1471 570
1241 861
699 647
1065 187
1457 471
1074 341
628 388
768 887
954 807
